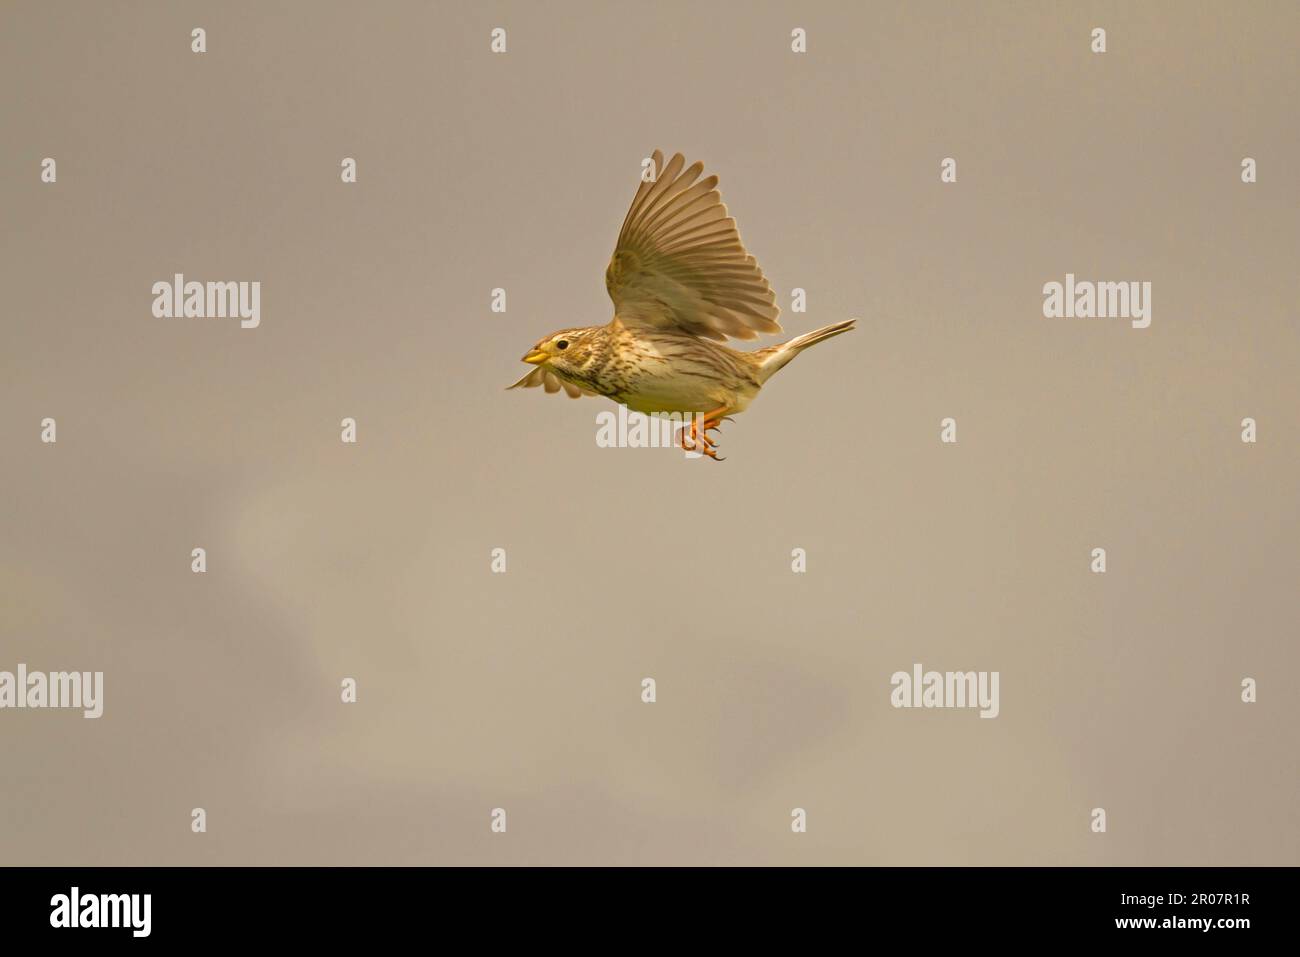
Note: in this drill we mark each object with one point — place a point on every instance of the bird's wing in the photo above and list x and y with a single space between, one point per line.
679 262
550 382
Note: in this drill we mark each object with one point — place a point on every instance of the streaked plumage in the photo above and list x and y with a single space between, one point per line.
682 283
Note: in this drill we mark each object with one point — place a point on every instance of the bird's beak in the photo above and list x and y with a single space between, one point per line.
535 357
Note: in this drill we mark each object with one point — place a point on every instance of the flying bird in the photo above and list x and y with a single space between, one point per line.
682 284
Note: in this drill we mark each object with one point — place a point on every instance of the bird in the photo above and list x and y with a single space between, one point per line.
682 284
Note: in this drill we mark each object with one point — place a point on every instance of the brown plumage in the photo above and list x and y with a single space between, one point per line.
682 283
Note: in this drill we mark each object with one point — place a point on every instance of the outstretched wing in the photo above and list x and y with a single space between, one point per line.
550 382
679 262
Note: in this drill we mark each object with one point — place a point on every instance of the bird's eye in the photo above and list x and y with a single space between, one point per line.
562 344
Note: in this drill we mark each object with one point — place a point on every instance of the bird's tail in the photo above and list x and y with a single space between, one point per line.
777 356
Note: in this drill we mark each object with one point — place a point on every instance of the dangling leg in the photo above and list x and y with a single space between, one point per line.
701 425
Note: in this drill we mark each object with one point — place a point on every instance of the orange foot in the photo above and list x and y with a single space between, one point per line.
699 440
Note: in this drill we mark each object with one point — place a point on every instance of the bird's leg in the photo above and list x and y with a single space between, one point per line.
698 441
714 419
701 425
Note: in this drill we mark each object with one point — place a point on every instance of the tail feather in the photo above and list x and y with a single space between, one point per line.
777 356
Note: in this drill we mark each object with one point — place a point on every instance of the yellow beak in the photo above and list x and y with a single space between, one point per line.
535 357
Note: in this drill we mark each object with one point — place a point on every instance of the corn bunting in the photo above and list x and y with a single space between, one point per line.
682 283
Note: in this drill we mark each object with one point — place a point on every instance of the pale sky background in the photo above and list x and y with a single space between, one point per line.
522 690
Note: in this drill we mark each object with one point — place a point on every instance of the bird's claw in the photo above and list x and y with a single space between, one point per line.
700 442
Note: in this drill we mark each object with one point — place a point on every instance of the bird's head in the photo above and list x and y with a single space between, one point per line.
561 350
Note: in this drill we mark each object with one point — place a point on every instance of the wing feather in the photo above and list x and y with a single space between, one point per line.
550 382
679 262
